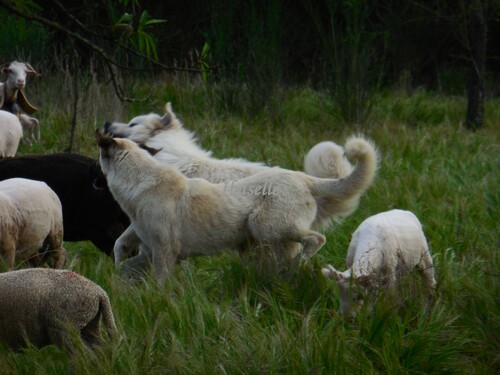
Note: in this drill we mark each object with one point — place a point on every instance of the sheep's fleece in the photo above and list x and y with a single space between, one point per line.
39 304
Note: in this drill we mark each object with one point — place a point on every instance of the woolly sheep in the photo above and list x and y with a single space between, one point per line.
384 248
11 133
31 226
44 306
13 99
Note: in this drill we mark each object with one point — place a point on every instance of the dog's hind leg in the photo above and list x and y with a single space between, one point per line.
286 251
312 242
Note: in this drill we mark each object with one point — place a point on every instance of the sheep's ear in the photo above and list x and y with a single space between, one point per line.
339 277
103 140
31 70
152 151
6 70
330 272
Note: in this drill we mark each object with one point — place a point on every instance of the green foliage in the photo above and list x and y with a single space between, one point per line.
351 52
226 314
246 44
21 39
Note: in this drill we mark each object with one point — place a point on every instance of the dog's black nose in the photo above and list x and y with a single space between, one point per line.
106 127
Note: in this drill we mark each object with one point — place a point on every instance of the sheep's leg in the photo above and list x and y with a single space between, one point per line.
391 281
54 248
60 257
91 334
59 333
8 248
36 260
125 245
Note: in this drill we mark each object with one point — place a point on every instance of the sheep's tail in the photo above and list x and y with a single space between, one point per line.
359 179
327 160
107 316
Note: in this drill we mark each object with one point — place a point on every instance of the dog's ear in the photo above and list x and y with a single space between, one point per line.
166 120
169 119
103 140
152 151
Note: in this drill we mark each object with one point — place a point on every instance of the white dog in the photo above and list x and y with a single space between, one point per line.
178 148
175 217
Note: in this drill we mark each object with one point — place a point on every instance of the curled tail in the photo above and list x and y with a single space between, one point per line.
327 160
339 198
107 316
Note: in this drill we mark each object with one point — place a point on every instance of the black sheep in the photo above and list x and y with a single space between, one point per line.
90 212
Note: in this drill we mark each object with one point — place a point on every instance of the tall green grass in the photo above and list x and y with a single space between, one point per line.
228 315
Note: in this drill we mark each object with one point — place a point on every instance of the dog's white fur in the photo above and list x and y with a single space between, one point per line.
173 216
177 148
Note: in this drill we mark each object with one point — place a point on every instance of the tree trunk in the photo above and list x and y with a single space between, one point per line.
477 31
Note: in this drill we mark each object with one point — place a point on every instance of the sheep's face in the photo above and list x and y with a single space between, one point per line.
142 128
350 291
17 73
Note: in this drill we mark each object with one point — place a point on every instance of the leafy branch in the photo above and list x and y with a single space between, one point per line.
145 45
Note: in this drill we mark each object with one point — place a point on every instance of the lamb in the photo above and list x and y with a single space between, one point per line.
44 306
11 133
13 99
31 226
29 125
384 249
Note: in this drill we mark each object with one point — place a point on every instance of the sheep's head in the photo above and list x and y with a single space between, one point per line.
350 291
17 73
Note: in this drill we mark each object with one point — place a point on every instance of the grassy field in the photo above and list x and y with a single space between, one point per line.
227 315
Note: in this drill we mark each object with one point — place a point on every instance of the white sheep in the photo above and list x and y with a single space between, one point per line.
11 133
31 225
384 249
13 98
44 306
